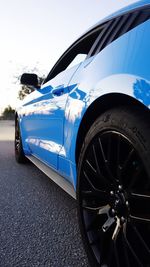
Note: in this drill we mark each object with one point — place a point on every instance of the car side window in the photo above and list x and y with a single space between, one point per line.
75 54
118 26
77 60
97 39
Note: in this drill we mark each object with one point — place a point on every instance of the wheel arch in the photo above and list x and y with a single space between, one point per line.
99 106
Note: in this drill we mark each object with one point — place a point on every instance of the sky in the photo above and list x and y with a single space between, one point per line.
34 34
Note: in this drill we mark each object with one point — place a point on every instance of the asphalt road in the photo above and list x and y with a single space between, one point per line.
38 220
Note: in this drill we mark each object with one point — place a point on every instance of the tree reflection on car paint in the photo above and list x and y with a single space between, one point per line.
142 91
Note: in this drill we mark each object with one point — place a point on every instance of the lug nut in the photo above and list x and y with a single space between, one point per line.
127 203
122 219
120 187
113 212
112 193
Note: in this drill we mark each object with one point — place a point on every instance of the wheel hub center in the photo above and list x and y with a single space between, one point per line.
119 203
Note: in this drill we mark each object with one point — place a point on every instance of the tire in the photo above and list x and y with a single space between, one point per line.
19 153
113 189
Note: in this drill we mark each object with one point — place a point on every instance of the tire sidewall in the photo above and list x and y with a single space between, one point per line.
133 124
19 155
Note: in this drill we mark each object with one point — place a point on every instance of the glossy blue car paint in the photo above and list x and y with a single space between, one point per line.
50 117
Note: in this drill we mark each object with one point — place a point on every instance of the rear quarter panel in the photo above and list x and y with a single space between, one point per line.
122 67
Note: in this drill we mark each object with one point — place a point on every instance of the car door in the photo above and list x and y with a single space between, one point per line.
44 123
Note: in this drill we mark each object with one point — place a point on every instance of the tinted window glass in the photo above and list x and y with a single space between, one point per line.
77 60
80 47
118 26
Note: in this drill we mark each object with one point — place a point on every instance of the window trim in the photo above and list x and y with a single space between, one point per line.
102 27
76 43
122 24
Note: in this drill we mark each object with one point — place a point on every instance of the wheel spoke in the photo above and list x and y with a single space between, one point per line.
140 205
139 219
96 160
130 247
141 239
100 210
135 177
109 173
17 138
95 241
89 182
115 201
109 148
94 193
118 159
97 172
17 144
128 158
116 254
91 209
104 210
103 178
125 252
110 253
91 167
93 224
93 190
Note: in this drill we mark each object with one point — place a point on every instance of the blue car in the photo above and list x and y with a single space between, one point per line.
87 127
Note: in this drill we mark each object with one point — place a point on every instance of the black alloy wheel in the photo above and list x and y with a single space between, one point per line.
114 190
19 153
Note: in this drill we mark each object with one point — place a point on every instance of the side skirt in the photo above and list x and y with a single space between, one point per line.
54 176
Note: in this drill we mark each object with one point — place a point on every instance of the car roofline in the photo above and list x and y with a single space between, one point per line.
130 8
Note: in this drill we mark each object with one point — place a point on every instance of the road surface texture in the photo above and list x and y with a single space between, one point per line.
38 220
